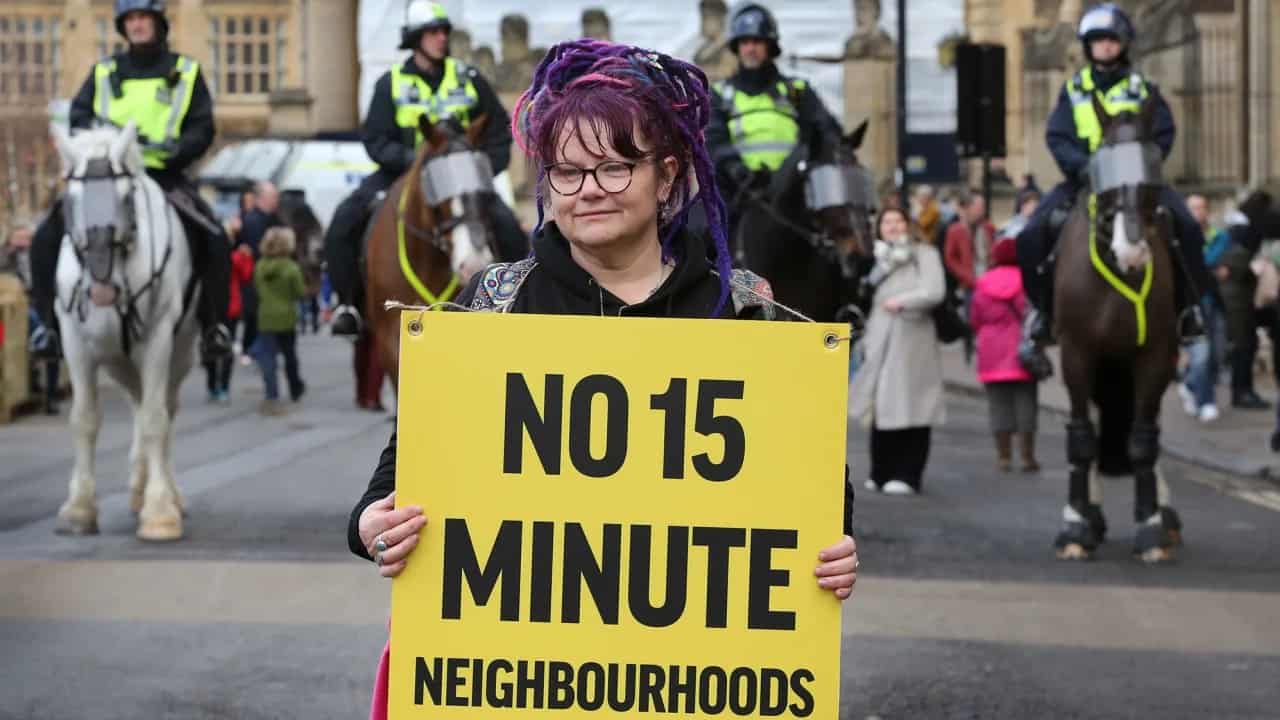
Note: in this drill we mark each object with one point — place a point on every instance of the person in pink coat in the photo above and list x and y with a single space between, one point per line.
996 317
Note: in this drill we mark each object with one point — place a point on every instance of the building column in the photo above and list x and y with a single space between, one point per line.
79 46
1258 106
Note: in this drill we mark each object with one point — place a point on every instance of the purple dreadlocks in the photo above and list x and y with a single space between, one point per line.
616 90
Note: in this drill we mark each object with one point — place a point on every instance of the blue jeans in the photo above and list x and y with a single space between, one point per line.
264 351
1202 371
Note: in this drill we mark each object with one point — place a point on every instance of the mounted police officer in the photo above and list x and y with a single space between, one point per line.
429 83
1073 134
165 95
762 115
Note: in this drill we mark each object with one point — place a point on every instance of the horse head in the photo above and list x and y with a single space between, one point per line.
102 168
1125 174
455 181
840 193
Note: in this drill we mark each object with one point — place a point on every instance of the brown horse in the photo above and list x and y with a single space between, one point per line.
1118 336
431 234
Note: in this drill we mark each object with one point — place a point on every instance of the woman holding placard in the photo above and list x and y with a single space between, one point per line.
615 133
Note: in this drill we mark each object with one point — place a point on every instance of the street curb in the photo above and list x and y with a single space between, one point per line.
1209 461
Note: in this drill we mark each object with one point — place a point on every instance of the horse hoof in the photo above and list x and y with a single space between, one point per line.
1155 556
1076 541
76 521
160 526
1154 544
1074 551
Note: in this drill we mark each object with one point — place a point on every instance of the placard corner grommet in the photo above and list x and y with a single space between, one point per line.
832 341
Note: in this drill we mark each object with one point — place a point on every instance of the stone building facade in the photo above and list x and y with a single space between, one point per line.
266 62
1212 59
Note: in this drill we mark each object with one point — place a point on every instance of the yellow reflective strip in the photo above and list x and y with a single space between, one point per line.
1139 298
102 98
405 267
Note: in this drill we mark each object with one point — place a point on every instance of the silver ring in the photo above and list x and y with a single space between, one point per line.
377 559
380 545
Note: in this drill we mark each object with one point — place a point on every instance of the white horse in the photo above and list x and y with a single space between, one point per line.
124 271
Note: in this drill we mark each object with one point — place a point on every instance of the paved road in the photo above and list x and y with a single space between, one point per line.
961 610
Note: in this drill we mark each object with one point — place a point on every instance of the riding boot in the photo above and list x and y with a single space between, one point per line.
1037 334
45 246
212 259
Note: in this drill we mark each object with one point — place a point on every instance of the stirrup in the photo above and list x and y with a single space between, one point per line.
45 343
346 321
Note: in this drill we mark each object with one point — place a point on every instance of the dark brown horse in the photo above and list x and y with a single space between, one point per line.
431 234
1116 324
811 236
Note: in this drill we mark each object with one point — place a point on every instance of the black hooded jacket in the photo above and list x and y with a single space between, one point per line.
559 286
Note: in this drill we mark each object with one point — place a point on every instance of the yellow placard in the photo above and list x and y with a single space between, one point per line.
624 517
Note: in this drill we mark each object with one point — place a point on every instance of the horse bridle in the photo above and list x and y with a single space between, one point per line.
443 178
122 238
820 240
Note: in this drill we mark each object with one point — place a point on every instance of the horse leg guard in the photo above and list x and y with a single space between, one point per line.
1081 519
1154 541
1144 448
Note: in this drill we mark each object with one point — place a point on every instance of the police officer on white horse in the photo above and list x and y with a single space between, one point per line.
429 83
1074 133
165 96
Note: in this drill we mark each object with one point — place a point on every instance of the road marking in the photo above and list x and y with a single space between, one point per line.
351 593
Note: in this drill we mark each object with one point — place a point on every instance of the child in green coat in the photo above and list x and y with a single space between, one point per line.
278 281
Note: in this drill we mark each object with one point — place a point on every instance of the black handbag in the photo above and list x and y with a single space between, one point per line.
948 322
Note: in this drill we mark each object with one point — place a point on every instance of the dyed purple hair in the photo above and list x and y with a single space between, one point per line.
617 90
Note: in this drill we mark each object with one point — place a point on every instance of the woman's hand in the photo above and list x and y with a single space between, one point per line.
389 535
893 305
839 569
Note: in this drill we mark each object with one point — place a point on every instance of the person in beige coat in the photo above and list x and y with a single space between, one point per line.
898 388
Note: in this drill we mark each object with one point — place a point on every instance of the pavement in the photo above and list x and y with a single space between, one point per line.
960 609
1237 443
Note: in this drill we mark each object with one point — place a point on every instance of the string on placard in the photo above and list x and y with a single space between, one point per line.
415 325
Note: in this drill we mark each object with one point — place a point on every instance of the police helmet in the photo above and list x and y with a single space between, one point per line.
155 7
1106 21
754 21
419 17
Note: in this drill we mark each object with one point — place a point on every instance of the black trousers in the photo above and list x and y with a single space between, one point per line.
342 241
900 454
1036 243
210 255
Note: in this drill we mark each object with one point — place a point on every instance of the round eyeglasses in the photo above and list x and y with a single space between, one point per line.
613 176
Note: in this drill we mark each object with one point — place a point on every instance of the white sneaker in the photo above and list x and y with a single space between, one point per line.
897 487
1189 404
871 485
1208 413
